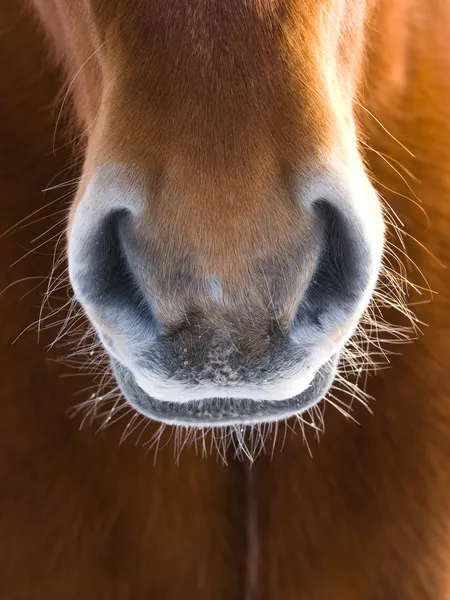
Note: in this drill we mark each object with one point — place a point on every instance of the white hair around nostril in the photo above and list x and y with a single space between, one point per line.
214 290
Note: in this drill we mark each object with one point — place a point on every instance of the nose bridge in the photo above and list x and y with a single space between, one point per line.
203 101
225 215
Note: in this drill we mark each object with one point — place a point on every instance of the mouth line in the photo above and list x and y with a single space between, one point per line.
220 412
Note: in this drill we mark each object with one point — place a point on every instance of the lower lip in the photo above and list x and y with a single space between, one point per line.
220 412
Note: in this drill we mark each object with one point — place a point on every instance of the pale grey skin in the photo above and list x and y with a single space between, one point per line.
203 375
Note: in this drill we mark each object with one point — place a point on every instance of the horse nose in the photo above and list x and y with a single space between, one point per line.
106 268
113 279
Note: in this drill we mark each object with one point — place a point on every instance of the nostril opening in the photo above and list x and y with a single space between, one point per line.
102 271
108 276
342 273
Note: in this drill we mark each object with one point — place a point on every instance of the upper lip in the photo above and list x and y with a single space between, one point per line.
223 411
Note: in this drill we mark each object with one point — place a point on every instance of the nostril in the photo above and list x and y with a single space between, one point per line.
342 274
345 258
100 268
102 272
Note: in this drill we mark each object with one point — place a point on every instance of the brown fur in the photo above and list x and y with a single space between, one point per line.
366 518
219 110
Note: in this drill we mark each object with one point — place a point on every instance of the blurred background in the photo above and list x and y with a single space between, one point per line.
359 512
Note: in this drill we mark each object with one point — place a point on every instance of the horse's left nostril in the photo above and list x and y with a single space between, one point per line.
342 274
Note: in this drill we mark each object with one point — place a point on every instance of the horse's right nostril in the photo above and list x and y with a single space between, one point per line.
102 276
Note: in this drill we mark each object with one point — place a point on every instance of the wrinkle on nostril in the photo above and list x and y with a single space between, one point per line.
214 290
111 340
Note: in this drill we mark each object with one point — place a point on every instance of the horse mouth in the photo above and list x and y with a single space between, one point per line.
218 412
